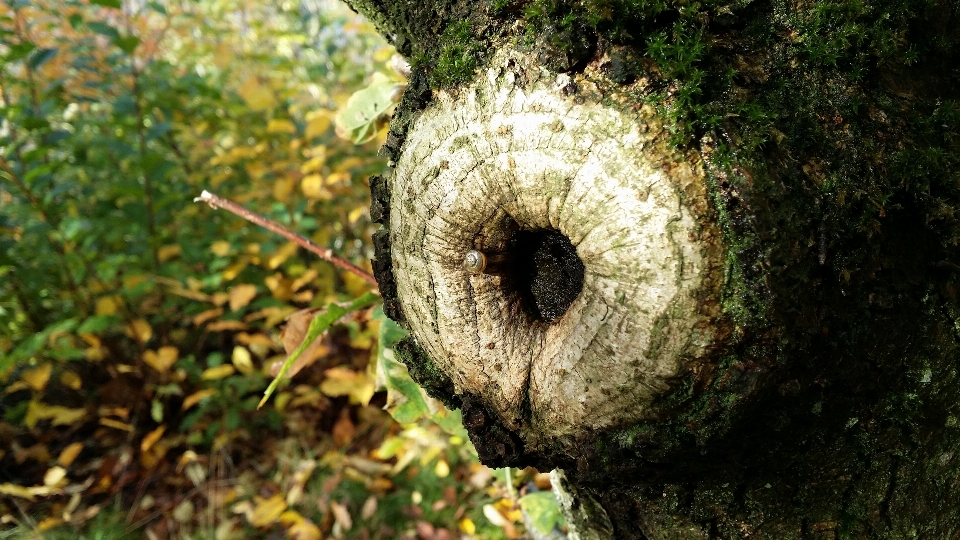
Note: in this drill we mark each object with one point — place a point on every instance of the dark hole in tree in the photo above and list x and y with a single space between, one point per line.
546 271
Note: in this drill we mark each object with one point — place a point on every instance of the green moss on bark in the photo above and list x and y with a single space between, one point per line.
831 135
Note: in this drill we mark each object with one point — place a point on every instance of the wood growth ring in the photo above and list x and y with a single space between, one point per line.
511 159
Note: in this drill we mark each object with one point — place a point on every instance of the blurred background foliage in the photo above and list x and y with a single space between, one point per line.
138 330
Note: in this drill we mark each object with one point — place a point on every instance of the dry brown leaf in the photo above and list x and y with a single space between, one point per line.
341 515
207 315
425 530
292 336
369 508
222 326
116 424
344 430
241 295
304 469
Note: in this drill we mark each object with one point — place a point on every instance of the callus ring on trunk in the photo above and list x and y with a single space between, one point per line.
475 262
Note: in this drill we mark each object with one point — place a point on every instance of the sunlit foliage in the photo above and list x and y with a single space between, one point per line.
138 329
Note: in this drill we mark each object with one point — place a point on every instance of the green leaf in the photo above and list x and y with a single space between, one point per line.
319 325
75 20
127 44
104 29
97 323
41 57
405 400
358 118
158 7
543 510
35 343
106 3
19 51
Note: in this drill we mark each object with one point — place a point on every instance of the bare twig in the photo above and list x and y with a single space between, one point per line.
324 253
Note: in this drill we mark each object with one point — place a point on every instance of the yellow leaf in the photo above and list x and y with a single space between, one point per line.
195 398
256 170
312 186
91 339
234 269
283 188
219 372
307 277
337 178
267 511
279 286
37 378
28 493
344 382
49 522
317 124
220 248
95 354
59 416
257 96
107 305
53 476
312 165
241 295
242 361
442 469
151 438
70 453
304 530
139 330
290 517
467 526
355 214
116 424
280 255
166 253
281 126
223 55
162 359
71 380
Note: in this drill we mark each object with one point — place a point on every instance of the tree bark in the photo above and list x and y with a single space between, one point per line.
700 258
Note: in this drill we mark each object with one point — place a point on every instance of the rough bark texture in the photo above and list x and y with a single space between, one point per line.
810 389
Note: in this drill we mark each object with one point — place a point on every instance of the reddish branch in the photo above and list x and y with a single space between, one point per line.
326 254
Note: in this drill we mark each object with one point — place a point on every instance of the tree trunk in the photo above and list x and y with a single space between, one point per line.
701 257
